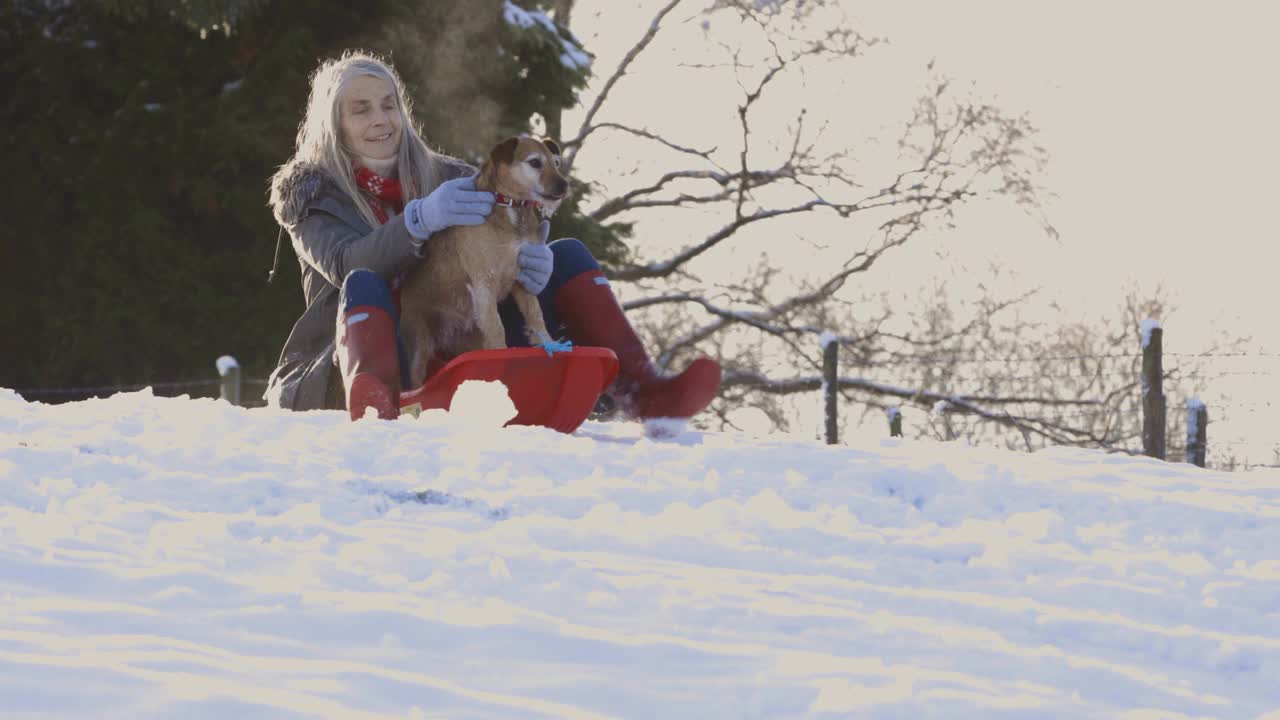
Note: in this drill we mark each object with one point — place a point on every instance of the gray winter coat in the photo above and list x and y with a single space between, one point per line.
330 239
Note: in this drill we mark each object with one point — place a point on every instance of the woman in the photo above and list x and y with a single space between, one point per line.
360 197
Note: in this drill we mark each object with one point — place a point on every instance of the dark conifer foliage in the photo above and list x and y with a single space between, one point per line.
138 141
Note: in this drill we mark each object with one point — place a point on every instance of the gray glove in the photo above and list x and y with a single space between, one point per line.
535 261
456 202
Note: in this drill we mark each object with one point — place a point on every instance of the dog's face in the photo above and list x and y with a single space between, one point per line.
529 168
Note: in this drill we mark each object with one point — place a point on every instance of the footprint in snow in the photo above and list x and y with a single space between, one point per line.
436 497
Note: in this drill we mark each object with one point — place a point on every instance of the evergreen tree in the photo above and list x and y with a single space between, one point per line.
139 140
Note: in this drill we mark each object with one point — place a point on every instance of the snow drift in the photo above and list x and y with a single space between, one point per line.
186 558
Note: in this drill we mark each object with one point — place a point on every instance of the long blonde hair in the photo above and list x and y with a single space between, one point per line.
320 136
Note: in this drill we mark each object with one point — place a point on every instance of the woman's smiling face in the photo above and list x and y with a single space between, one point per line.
371 121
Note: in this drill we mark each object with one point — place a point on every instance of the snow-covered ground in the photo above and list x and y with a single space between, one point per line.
184 558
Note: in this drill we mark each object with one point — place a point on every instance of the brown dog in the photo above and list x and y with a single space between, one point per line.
449 301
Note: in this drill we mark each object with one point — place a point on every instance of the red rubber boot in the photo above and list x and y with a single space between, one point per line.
592 316
368 361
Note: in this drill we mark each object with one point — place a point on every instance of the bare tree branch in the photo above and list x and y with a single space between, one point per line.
629 201
667 267
704 154
953 148
1057 433
572 147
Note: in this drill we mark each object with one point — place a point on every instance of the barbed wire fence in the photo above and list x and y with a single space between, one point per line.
228 385
1172 427
1230 453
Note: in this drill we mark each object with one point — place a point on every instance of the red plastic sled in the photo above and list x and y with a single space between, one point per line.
557 391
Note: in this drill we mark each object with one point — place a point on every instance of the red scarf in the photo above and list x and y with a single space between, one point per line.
386 190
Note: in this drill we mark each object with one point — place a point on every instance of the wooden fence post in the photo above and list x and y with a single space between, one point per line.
1197 432
895 422
942 411
1153 406
229 370
830 384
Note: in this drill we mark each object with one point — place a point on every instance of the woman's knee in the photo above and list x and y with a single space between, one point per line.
365 287
571 258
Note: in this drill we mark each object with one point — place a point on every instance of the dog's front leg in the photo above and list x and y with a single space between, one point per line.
415 333
535 327
488 320
495 336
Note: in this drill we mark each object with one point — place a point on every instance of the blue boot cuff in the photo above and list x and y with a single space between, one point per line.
366 287
571 258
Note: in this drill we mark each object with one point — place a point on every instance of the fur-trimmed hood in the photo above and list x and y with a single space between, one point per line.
298 183
294 185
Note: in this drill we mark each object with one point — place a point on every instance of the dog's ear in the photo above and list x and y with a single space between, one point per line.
552 145
504 153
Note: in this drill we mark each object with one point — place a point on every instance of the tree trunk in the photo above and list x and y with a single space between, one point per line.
561 9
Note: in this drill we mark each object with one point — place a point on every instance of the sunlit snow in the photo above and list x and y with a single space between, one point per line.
185 558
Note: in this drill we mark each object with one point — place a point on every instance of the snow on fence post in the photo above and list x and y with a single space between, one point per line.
1153 406
1197 432
895 422
830 383
942 411
229 370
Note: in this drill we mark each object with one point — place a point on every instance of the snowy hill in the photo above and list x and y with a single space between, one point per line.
185 558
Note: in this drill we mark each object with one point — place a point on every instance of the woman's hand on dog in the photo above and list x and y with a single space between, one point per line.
535 261
456 202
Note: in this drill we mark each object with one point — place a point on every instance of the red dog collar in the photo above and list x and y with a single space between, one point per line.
503 200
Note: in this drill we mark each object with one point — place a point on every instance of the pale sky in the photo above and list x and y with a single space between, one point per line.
1161 120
